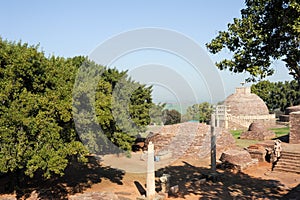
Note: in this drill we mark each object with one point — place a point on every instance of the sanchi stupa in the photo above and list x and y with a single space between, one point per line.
244 108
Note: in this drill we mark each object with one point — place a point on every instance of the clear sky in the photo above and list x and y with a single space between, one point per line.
72 27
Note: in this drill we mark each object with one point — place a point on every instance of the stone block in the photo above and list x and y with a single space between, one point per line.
294 128
240 158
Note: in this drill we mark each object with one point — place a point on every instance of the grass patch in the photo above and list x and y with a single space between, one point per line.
236 133
241 142
245 143
281 131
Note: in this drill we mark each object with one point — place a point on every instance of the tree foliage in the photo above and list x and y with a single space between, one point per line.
268 30
278 95
171 117
38 105
199 112
36 128
122 108
156 113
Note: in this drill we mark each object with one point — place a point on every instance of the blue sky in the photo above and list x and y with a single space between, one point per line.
69 28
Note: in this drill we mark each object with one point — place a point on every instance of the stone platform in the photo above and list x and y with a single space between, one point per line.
290 159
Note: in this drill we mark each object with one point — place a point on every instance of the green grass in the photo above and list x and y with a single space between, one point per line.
281 131
241 142
245 143
236 133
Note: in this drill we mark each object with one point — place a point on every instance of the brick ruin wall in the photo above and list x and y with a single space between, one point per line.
189 140
294 128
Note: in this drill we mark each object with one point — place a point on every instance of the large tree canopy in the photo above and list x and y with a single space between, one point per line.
268 30
122 108
36 126
38 105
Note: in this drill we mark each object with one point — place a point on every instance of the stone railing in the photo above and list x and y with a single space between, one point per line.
245 121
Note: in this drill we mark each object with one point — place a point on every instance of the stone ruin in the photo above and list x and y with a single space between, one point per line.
294 137
188 139
244 108
257 131
292 115
238 159
288 110
259 151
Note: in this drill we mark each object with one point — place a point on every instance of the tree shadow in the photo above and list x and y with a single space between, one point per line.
140 188
293 194
223 185
77 178
283 138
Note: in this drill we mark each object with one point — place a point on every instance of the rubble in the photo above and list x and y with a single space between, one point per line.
257 131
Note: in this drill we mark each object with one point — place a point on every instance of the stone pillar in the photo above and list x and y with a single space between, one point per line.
150 172
213 143
226 123
295 128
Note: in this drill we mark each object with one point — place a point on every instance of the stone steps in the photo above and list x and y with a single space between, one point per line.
288 162
291 155
288 165
280 169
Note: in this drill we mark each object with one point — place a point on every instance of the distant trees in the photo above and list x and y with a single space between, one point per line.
171 117
278 95
156 113
38 105
199 112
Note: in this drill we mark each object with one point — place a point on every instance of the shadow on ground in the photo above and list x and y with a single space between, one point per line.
293 194
226 185
284 138
77 178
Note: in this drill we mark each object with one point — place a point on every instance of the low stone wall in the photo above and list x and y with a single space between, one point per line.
238 122
294 128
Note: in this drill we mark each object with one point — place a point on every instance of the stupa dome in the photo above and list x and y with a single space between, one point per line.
245 103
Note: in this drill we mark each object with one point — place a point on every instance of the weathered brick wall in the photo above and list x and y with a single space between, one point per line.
295 128
189 139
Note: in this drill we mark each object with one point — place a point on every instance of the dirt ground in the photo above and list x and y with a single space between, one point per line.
255 182
124 178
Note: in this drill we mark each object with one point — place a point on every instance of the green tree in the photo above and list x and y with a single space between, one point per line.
192 113
171 117
199 112
156 113
122 108
41 104
268 30
36 126
205 111
277 95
